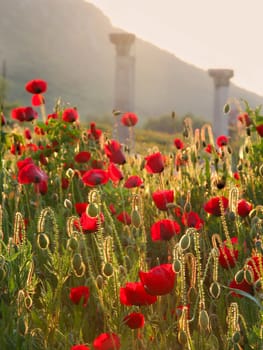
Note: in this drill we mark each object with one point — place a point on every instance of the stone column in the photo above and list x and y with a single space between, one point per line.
221 82
124 81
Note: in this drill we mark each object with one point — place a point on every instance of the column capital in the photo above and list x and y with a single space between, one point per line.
122 42
221 76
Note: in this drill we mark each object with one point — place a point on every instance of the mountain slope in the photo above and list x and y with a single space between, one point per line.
66 43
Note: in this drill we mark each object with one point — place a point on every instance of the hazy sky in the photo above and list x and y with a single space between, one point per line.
206 33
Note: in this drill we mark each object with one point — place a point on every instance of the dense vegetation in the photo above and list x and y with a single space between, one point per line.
104 246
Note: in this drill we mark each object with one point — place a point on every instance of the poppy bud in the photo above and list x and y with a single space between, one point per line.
100 281
2 273
77 261
92 210
107 270
177 266
122 270
239 276
236 337
204 322
185 242
73 244
248 277
108 228
215 290
135 218
182 337
127 261
43 241
22 326
67 204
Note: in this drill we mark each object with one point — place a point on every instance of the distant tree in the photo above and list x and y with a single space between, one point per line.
171 123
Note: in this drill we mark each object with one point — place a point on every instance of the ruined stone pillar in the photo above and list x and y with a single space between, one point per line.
221 82
124 81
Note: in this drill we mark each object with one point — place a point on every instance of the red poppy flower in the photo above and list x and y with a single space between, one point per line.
228 255
17 148
80 293
134 294
256 263
38 100
162 197
133 181
24 114
236 176
38 130
107 341
114 152
82 157
30 173
70 115
244 208
213 205
90 224
154 163
134 320
243 286
114 173
244 119
64 183
32 147
41 187
192 219
27 134
3 119
95 177
21 163
81 207
124 217
112 209
222 141
97 164
52 116
129 119
260 129
209 148
178 143
94 133
79 347
36 86
164 230
159 280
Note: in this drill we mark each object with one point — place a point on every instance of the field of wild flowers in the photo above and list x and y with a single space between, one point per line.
104 248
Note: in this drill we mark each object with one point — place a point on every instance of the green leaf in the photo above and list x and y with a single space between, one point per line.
245 294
